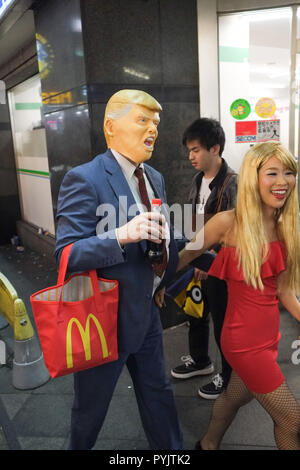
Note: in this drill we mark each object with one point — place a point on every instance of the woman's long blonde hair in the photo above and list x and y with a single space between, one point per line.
251 237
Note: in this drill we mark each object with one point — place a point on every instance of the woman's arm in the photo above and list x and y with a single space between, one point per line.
288 299
212 234
290 302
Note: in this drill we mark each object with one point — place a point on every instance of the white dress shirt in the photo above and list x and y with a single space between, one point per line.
128 169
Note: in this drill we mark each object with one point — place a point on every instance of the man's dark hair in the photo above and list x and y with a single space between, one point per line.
208 132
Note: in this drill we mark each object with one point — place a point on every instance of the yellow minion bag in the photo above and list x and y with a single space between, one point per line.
187 294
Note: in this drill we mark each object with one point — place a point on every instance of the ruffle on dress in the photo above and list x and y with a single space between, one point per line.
225 265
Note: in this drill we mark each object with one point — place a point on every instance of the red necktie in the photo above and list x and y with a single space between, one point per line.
158 268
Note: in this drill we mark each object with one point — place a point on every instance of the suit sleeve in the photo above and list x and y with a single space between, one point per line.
77 221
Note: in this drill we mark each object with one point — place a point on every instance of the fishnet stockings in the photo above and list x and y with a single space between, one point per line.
285 412
279 404
224 410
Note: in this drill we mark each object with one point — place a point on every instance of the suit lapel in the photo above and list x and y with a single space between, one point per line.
121 189
118 184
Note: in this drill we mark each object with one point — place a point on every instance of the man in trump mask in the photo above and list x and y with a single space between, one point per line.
119 252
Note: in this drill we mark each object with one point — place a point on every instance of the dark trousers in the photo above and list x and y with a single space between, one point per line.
94 389
215 301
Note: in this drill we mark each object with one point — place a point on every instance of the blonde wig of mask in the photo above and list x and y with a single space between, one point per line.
251 237
121 103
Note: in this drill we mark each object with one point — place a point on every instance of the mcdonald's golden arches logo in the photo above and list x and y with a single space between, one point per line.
85 337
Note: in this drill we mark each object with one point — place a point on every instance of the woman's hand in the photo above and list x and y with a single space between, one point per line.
159 297
199 275
288 299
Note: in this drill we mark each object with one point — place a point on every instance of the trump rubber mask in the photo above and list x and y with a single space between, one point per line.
130 127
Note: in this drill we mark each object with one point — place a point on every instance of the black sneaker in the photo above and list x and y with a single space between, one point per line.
212 390
190 369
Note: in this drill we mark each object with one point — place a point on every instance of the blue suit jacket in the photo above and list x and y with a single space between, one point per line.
83 190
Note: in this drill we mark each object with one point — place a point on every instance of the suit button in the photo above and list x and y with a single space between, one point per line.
148 296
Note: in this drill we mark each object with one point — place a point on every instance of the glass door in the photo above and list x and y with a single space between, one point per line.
31 154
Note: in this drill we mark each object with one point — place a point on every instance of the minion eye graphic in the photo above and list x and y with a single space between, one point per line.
187 294
195 294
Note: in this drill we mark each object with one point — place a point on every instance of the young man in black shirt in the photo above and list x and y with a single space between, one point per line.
213 189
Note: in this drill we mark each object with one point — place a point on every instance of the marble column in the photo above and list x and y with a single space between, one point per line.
63 82
149 45
89 49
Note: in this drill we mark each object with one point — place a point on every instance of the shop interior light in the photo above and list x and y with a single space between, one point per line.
269 15
76 25
270 84
270 71
279 74
135 73
4 4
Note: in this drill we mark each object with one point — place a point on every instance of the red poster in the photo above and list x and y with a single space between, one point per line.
245 131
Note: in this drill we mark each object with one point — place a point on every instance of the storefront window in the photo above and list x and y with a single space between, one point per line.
254 64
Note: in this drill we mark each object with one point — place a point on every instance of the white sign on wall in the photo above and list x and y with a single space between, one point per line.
4 4
268 130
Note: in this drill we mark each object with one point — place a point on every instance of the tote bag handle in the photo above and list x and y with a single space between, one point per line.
63 264
63 269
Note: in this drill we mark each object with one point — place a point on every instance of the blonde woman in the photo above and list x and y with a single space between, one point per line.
260 260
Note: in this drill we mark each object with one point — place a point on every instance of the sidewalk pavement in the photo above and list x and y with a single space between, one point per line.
39 419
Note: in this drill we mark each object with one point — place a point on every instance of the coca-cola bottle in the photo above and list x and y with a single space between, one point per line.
154 251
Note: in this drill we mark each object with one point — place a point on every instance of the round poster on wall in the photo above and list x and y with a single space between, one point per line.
240 109
265 107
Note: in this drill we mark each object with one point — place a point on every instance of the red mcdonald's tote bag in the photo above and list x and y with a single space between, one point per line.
77 320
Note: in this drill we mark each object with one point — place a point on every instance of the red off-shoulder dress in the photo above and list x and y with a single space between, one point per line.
250 333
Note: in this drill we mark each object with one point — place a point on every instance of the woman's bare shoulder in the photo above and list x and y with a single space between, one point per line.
226 218
220 224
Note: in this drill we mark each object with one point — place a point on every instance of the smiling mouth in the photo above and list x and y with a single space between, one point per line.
279 193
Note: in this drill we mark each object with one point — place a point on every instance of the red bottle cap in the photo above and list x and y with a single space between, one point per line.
156 202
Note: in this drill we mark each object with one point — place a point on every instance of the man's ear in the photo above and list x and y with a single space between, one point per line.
215 149
109 126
